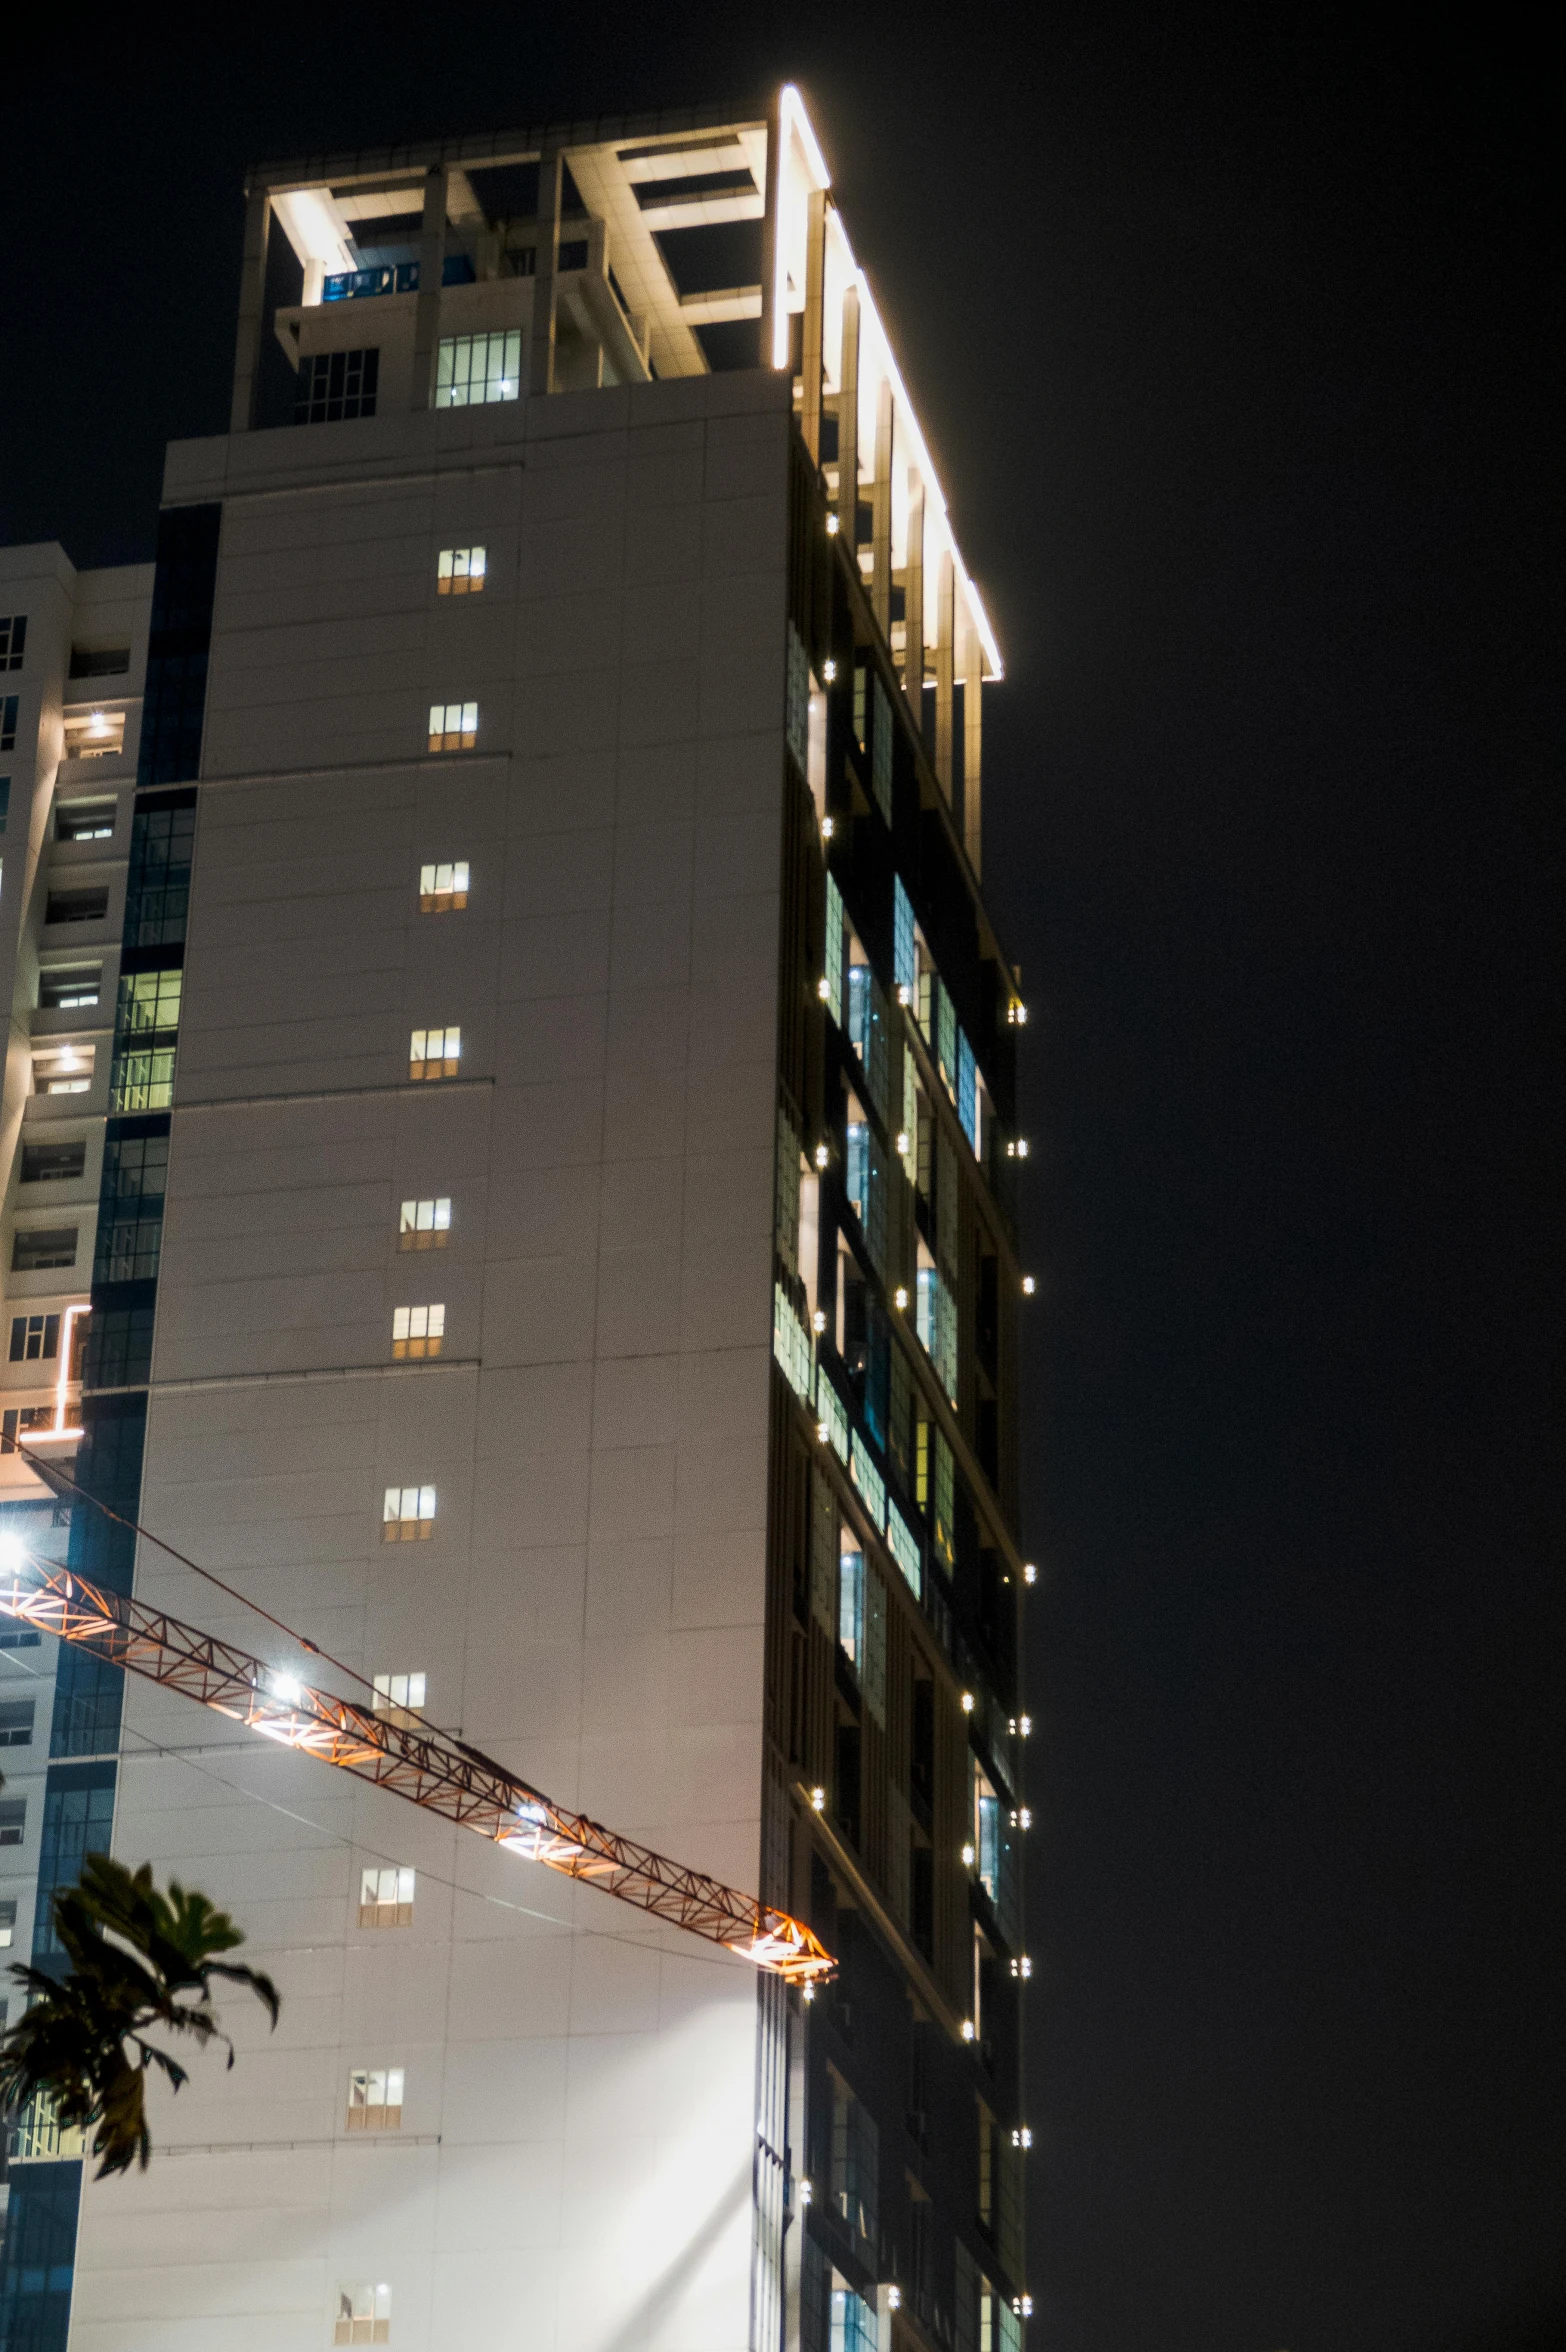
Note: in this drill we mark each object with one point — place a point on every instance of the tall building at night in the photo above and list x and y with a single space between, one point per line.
509 1142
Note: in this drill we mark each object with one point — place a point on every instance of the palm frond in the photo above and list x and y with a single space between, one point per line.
139 1959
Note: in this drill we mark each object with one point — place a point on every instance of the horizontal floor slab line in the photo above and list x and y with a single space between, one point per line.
411 1086
295 1379
388 480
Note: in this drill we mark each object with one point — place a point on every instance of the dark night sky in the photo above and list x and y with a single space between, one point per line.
1234 335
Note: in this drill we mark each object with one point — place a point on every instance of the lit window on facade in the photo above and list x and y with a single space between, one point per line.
418 1331
435 1053
443 890
66 1070
375 2098
460 571
100 734
363 2313
453 726
408 1514
424 1224
386 1896
472 370
850 1598
401 1694
84 820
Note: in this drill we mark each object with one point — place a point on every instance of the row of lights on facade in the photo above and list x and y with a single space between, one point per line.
1017 1015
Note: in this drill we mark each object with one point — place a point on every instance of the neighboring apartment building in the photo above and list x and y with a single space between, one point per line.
509 1049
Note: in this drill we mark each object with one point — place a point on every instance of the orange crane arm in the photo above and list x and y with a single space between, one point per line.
427 1767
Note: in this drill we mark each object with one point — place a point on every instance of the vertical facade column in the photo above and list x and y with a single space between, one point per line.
881 513
432 268
972 740
252 311
769 237
541 366
913 601
945 668
811 346
848 428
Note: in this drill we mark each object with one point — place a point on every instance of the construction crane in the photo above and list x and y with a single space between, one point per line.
397 1752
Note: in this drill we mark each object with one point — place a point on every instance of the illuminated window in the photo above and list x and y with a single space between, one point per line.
453 726
408 1515
424 1224
85 820
363 2313
98 734
150 1000
472 370
34 1338
13 637
855 2327
386 1897
986 1832
418 1331
850 1598
69 987
443 889
375 2099
146 1034
401 1694
66 1069
435 1053
460 571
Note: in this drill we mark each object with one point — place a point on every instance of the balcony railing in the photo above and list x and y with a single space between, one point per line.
399 277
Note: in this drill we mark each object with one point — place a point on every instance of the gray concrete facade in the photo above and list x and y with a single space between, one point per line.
573 2160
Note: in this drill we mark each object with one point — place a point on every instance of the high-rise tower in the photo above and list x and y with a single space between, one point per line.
510 1138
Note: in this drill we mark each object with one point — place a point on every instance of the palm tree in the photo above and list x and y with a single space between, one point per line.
136 1958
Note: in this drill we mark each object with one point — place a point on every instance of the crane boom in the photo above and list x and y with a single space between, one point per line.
425 1766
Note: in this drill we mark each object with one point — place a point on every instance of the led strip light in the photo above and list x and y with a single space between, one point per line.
426 1767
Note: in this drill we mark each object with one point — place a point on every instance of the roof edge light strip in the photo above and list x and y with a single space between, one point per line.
792 120
423 1765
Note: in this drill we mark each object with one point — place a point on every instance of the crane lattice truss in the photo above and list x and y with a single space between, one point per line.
396 1752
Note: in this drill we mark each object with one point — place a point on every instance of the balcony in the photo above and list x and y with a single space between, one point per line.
399 277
